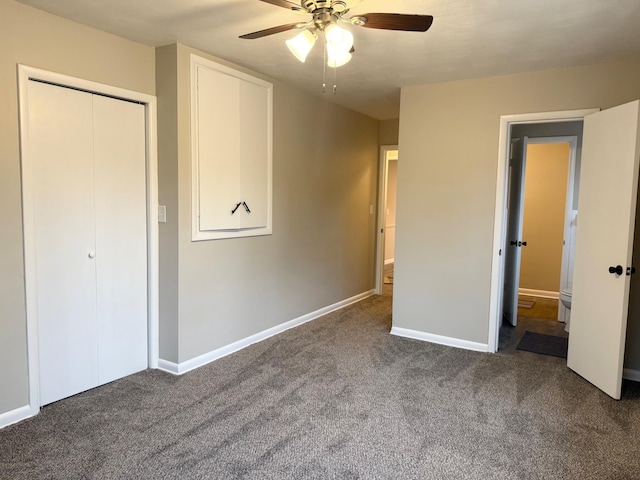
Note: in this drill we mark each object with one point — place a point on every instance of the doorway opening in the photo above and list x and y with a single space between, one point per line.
385 252
608 191
534 125
540 237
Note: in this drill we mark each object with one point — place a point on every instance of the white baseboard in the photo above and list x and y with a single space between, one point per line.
15 416
390 260
180 368
168 366
439 339
630 374
538 293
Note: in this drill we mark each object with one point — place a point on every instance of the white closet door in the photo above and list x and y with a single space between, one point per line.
61 142
121 236
87 158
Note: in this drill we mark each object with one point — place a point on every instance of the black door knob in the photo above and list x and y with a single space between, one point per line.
513 242
617 270
524 244
631 271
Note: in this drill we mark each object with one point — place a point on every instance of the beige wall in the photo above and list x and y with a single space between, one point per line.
545 194
322 248
388 132
211 293
561 129
447 185
40 40
167 93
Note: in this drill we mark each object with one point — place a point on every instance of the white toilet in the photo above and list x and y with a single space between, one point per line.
565 298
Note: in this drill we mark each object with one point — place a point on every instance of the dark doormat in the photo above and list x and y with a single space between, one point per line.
544 344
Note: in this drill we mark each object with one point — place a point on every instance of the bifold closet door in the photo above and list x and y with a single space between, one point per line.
121 236
89 202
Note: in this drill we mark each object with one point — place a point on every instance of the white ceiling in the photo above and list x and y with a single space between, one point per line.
468 39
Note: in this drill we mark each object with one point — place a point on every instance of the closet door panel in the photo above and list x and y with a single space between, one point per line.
61 149
121 236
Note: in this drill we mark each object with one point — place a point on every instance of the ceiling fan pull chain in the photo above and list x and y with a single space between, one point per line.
324 64
335 74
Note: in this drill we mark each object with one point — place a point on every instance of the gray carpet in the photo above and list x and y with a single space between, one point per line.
338 398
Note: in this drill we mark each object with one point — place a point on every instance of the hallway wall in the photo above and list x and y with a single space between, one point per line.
447 188
545 195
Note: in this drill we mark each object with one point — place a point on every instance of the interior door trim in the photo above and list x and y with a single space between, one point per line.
500 220
25 74
386 152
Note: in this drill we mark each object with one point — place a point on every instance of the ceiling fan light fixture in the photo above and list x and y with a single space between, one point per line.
338 38
301 44
338 59
327 16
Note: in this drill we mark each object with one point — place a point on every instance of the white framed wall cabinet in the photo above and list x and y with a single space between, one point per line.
231 152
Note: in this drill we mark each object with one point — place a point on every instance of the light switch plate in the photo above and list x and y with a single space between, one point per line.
162 214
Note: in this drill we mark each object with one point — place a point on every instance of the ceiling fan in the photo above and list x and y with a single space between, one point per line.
326 17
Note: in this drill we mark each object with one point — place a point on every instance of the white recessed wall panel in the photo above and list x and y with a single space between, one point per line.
231 152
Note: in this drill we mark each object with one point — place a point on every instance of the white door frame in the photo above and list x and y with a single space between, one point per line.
25 74
500 220
386 152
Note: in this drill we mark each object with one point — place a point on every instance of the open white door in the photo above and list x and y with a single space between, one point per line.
604 239
517 165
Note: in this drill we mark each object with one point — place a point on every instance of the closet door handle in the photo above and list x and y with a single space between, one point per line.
92 254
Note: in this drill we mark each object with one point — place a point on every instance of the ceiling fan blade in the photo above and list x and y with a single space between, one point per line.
397 21
284 4
271 31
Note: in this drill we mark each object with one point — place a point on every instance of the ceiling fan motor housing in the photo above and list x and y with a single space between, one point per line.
336 6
